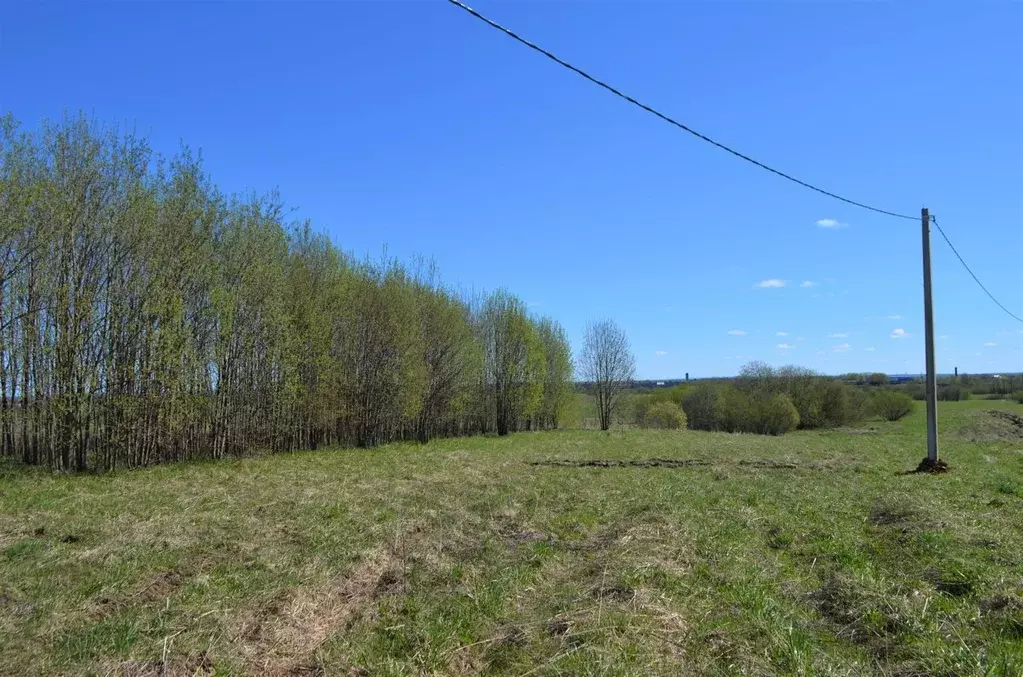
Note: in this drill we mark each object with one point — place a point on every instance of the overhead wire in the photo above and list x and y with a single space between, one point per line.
670 120
972 274
703 137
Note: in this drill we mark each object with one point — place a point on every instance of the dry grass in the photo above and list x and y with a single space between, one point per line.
808 554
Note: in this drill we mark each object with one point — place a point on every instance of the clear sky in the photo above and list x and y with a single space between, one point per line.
412 126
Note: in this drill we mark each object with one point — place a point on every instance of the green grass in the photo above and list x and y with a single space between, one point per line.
797 555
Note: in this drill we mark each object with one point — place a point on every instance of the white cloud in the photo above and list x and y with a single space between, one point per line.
786 346
781 333
899 333
773 283
894 317
660 353
839 335
736 332
820 352
870 349
830 223
842 348
990 344
800 338
807 283
534 304
943 336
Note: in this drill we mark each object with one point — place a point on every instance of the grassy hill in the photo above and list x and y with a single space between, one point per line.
679 553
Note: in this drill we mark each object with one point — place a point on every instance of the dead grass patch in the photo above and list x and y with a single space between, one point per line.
187 666
281 637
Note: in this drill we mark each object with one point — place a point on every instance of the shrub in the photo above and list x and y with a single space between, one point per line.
702 407
892 405
1018 396
640 405
664 415
742 412
822 402
776 415
857 403
878 379
916 391
952 393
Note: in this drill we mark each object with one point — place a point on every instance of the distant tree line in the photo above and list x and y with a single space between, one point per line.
146 317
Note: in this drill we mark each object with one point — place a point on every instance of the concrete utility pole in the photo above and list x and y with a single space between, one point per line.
931 462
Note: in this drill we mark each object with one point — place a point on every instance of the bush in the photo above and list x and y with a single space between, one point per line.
952 393
916 391
878 379
776 415
857 404
702 407
742 412
664 415
822 402
892 405
1018 396
640 405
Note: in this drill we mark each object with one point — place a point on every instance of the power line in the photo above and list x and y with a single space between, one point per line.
968 270
668 119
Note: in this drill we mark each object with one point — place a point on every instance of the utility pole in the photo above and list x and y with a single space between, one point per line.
931 463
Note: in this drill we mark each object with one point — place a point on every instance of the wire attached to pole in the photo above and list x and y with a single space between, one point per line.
672 121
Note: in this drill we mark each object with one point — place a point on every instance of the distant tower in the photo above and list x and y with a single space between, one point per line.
687 376
957 372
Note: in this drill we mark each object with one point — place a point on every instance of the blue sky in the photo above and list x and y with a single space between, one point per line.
412 126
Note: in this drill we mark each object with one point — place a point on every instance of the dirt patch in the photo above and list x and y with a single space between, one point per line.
530 537
618 592
993 425
1004 613
683 463
161 586
787 465
558 626
897 512
859 615
950 583
929 467
1008 416
281 636
509 635
158 588
625 463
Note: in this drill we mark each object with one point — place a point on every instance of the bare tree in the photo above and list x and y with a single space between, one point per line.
607 362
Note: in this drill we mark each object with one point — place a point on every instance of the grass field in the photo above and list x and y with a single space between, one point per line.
804 554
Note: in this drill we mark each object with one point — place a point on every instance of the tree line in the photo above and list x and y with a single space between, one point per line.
146 317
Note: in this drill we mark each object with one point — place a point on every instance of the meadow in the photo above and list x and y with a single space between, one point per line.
626 552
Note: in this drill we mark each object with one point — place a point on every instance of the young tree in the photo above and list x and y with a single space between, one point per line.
146 318
607 362
557 386
514 362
